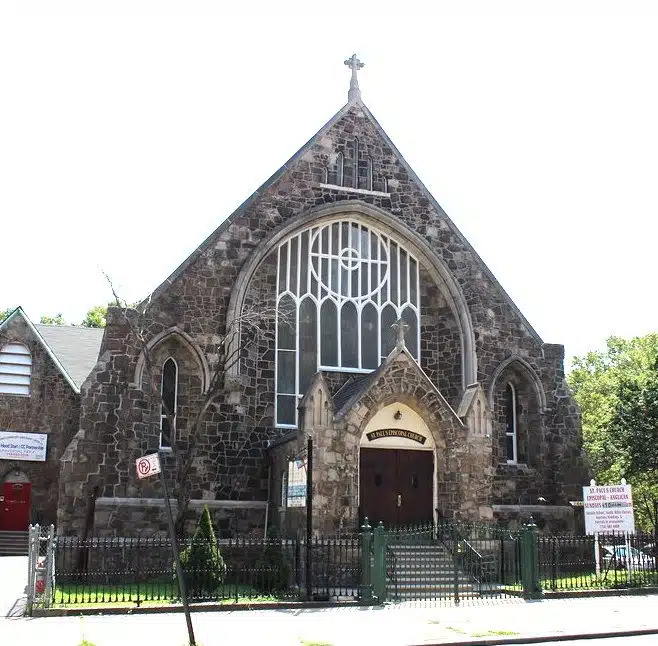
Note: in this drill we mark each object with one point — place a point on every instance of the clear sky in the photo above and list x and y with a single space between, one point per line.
130 130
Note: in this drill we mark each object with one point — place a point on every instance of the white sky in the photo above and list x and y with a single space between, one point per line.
130 130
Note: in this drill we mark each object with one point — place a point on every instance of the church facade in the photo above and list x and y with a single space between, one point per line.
380 334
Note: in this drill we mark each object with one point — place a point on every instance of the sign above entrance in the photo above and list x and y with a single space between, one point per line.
23 446
395 432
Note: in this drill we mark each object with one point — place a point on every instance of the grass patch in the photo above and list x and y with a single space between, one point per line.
609 580
148 594
493 633
456 630
304 642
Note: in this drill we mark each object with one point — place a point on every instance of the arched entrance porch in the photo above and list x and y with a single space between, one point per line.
397 468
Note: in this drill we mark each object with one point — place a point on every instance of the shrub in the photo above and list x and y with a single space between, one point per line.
202 562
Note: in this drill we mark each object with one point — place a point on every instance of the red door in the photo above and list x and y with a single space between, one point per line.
15 506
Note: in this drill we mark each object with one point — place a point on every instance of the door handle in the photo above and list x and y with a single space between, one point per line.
399 500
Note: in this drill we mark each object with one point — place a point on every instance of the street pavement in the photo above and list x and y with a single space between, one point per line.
506 621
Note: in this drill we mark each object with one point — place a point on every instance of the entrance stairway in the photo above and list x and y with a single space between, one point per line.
424 571
13 543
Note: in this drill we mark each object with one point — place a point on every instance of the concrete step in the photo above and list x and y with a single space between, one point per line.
13 543
425 570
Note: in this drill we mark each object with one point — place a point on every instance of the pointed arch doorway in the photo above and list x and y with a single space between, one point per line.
397 468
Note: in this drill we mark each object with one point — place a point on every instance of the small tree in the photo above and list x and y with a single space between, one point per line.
95 317
202 561
58 319
240 333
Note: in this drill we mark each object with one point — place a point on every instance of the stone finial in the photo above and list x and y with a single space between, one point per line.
400 328
354 64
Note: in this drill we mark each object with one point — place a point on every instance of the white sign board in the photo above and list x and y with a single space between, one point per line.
148 465
23 446
608 508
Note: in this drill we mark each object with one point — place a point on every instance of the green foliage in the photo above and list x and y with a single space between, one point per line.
202 561
617 390
5 313
58 319
95 317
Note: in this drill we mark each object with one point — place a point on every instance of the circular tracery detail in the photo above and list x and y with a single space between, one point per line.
352 248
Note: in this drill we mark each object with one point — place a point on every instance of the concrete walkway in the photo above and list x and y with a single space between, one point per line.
399 625
13 577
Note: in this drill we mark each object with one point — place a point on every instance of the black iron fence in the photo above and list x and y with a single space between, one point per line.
569 562
449 561
140 570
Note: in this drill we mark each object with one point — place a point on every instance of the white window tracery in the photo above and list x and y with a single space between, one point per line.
340 287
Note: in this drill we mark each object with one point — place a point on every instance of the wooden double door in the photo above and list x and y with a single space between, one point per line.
395 486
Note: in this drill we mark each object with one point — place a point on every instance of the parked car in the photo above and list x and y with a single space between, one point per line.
650 550
615 556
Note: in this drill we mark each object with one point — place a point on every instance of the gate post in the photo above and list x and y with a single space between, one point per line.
50 568
379 571
365 587
529 561
32 557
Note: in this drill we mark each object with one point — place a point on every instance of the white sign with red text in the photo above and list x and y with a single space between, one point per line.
608 508
148 465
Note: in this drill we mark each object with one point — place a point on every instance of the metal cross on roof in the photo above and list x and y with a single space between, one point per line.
354 64
400 328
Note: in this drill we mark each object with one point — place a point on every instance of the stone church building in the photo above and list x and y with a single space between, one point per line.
382 336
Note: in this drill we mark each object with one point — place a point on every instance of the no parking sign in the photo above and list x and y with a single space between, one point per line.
148 465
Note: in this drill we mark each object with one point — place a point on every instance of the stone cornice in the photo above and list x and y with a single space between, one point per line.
159 502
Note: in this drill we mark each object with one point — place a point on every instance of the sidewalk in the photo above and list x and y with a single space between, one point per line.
400 625
13 576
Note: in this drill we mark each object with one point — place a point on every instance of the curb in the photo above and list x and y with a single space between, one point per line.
503 641
209 607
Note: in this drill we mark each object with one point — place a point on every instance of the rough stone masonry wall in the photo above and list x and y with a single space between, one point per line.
197 299
53 407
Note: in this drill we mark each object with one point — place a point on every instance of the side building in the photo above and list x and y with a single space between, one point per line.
41 370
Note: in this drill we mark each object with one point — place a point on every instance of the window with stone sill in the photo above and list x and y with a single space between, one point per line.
15 369
169 394
340 287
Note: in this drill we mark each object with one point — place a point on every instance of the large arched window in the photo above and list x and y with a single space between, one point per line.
15 369
169 391
341 286
511 422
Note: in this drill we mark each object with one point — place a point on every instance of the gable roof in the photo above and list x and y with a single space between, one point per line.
76 347
74 350
357 389
356 103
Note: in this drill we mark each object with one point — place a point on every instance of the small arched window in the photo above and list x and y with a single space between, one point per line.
169 393
511 429
15 369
